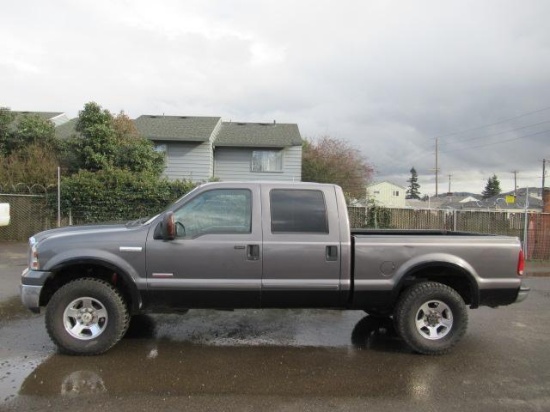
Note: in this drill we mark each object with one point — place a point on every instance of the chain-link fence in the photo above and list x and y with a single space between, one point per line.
535 234
35 208
29 214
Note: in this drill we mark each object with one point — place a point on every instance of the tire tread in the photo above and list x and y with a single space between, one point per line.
92 285
406 303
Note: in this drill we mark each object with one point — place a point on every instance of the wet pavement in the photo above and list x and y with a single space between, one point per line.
288 360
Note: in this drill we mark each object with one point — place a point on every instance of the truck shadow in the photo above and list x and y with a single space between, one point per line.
370 333
377 333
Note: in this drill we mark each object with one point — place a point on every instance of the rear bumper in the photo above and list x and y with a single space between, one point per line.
523 293
502 296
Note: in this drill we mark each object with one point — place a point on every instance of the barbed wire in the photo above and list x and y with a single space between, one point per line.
24 188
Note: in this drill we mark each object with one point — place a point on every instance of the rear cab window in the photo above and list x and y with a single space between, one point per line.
298 211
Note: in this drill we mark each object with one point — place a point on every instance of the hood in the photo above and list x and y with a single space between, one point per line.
79 230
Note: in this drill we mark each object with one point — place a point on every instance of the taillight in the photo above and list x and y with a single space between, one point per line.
521 263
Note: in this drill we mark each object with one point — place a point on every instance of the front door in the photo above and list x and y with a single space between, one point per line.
215 260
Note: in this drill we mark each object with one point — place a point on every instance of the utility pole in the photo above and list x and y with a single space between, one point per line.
543 174
515 172
436 166
450 177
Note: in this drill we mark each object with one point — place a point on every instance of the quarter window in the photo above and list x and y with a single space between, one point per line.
298 211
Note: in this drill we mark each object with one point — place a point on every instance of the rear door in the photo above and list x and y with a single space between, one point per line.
301 246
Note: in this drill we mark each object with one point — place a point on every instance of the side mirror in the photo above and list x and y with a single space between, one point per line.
168 226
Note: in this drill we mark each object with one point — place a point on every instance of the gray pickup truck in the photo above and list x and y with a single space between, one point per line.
264 245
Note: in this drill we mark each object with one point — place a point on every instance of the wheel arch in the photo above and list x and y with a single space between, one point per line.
76 268
448 273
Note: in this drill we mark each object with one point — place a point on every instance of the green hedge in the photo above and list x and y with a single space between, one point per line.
115 195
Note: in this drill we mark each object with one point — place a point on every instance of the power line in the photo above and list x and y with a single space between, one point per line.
495 123
494 143
420 153
502 132
425 152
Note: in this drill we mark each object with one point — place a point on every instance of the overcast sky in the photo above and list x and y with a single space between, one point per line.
387 76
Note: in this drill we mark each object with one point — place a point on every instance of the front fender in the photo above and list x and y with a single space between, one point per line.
105 259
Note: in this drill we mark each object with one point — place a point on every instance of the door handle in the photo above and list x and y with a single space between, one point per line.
253 252
332 253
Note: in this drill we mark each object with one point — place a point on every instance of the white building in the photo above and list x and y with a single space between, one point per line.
386 194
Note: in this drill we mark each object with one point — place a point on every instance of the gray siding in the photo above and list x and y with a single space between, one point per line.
234 164
213 138
189 161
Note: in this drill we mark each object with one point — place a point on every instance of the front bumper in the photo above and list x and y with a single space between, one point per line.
32 282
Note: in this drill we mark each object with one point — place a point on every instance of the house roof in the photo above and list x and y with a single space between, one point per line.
177 128
386 182
66 130
43 115
531 195
57 118
274 135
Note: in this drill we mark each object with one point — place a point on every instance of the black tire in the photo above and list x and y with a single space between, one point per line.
431 318
86 317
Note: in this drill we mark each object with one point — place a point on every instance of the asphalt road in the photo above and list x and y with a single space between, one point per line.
277 360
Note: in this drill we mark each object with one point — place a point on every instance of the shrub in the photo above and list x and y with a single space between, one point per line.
115 195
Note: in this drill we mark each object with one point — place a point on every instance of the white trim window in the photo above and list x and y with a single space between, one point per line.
267 161
161 148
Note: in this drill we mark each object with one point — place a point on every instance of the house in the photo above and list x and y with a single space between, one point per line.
258 151
386 194
201 148
187 142
514 202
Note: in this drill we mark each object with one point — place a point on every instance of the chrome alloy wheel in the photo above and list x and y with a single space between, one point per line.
434 320
85 318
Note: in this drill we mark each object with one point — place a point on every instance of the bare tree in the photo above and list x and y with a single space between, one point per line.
330 160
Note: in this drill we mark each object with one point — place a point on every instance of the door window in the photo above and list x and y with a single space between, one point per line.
215 211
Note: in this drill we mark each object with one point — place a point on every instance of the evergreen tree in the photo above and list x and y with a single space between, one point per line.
492 188
413 189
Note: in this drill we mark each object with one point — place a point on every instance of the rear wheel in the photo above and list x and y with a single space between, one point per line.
431 318
86 317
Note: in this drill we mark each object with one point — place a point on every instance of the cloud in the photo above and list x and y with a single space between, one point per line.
389 76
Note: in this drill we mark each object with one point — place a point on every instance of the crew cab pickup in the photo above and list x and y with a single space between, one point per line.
264 245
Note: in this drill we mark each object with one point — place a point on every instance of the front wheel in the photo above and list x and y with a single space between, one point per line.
431 318
86 317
